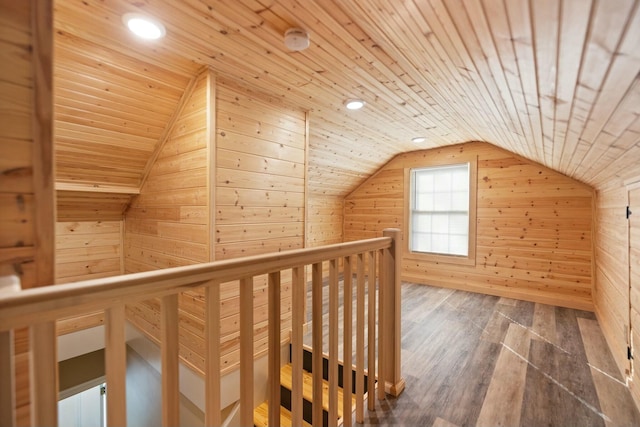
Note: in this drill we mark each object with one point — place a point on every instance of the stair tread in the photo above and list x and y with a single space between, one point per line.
307 388
261 416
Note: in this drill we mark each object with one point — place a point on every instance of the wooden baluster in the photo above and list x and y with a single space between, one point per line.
170 346
7 384
360 340
297 320
212 413
44 370
347 406
371 343
115 359
246 351
381 336
274 349
316 311
333 343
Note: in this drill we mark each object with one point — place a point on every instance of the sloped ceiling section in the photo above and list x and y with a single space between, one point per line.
555 81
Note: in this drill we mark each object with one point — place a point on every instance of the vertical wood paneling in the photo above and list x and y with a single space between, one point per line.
533 227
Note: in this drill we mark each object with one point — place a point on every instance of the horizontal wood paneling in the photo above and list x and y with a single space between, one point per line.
77 243
259 208
167 225
325 220
112 103
260 197
90 206
634 281
533 241
611 290
260 162
27 200
87 250
17 201
555 82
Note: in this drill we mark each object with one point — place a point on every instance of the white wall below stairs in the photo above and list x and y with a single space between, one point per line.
143 384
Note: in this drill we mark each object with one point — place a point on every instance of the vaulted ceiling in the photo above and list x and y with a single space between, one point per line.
555 81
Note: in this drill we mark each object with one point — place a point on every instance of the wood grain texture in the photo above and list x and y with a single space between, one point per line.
634 281
554 82
533 241
27 212
473 359
611 289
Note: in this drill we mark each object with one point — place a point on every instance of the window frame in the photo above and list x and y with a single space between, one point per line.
470 258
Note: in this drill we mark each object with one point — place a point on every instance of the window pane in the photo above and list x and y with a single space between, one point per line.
459 224
424 201
441 223
421 223
442 202
458 245
440 243
459 201
440 211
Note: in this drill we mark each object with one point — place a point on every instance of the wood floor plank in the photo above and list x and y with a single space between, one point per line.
503 402
616 403
456 366
544 323
443 423
559 389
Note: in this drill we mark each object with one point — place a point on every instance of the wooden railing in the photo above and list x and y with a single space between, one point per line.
363 260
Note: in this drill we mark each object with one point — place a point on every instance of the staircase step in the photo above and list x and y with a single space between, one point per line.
261 416
307 388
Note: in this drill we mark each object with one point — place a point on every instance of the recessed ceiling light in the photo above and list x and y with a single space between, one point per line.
354 104
418 139
143 26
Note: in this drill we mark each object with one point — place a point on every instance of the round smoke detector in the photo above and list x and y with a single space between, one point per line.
296 39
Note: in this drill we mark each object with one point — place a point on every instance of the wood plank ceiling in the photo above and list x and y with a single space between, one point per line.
555 81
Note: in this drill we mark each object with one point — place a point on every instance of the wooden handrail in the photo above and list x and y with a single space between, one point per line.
72 299
39 308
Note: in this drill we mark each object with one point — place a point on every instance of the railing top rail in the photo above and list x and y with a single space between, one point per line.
49 303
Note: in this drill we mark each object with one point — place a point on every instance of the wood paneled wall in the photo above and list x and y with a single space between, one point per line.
611 287
325 220
168 224
27 208
229 182
260 175
88 250
533 227
260 197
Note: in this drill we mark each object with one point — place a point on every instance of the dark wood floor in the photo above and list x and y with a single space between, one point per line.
478 360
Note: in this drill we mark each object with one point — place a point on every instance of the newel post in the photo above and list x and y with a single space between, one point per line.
391 328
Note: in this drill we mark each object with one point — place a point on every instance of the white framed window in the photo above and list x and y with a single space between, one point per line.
441 214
